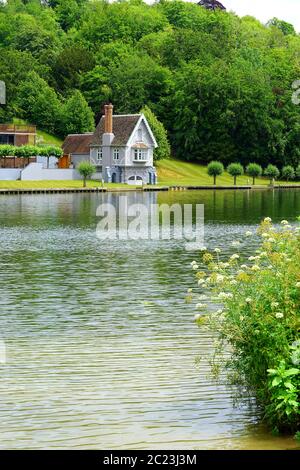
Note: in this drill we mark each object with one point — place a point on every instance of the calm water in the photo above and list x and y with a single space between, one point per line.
102 351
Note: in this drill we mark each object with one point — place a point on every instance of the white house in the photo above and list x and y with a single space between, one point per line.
121 148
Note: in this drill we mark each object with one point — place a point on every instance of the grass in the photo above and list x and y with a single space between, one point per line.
58 184
178 173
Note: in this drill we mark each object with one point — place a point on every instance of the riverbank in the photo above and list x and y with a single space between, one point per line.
45 189
51 187
259 320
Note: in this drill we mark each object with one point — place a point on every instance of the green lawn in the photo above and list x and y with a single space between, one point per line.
179 173
58 184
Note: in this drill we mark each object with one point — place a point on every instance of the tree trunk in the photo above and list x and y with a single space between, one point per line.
84 182
235 181
215 180
47 162
253 181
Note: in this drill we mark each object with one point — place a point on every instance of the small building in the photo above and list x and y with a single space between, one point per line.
121 148
14 134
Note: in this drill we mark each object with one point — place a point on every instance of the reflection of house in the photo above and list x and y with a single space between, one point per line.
121 148
17 134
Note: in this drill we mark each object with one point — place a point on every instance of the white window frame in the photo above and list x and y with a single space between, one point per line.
140 155
116 154
99 154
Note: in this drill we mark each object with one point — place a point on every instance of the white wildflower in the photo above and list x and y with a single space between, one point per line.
233 282
271 240
235 243
197 316
267 219
265 235
284 222
279 315
244 266
201 282
248 234
201 306
234 257
298 284
255 268
195 267
252 258
203 248
225 295
274 304
248 300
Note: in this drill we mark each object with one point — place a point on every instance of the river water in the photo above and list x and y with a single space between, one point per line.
102 351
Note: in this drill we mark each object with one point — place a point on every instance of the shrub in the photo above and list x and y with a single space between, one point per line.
288 173
215 169
298 172
272 172
254 170
235 170
260 320
86 170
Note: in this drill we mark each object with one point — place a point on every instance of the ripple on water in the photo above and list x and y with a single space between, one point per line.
101 347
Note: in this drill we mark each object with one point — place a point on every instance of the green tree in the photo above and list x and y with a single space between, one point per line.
235 170
86 170
298 172
272 172
254 170
77 115
215 169
288 173
38 103
163 150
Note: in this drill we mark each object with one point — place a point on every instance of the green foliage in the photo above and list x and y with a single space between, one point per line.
38 103
298 172
163 150
272 172
235 170
259 319
215 169
254 170
77 116
288 173
220 85
86 170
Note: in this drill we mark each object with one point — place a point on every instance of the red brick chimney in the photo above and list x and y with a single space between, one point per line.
108 119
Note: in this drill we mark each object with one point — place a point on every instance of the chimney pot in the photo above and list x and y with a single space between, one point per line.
108 120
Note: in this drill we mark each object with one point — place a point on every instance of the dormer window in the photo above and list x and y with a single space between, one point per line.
116 155
99 154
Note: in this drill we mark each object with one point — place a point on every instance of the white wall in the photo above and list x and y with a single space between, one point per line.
10 174
36 172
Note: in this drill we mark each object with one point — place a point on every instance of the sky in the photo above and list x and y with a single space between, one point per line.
264 10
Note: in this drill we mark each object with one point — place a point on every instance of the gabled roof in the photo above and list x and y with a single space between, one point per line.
123 127
77 143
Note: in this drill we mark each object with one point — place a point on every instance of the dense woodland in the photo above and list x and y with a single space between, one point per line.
221 85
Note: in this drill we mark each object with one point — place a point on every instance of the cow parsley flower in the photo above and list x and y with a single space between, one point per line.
279 315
